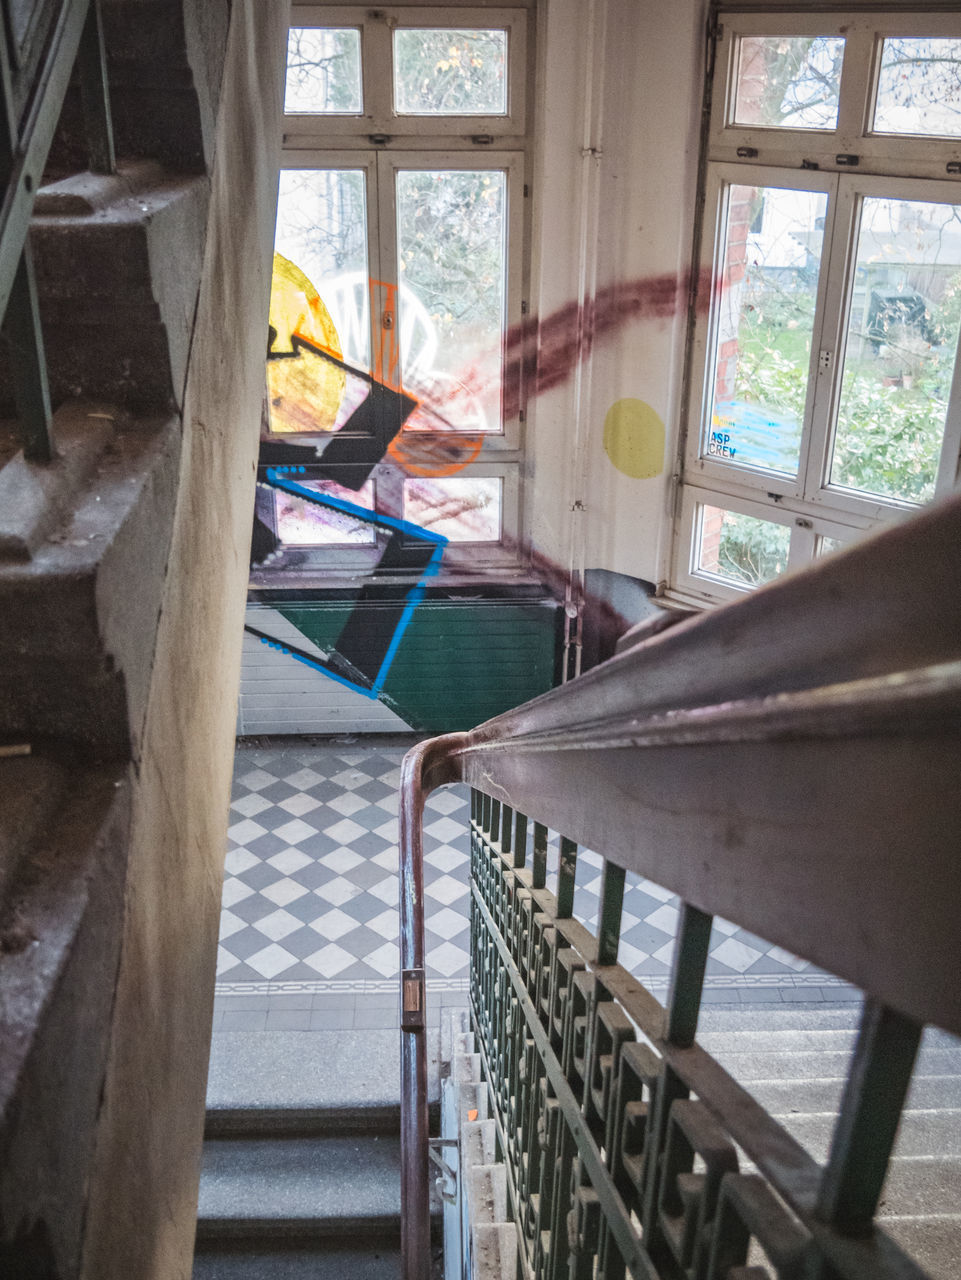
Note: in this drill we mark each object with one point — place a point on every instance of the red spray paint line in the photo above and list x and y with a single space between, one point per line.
540 354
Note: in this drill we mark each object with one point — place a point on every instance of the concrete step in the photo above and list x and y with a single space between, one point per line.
31 789
300 1264
309 1082
762 1019
781 1097
300 1190
922 1133
933 1242
817 1064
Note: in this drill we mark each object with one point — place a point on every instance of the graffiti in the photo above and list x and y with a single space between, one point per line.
349 421
353 661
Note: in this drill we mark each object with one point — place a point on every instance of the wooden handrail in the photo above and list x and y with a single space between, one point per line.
791 763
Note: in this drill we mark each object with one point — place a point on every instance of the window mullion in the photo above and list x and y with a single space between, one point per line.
949 466
377 72
857 82
840 236
385 321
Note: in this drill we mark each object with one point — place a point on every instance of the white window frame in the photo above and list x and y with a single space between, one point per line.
342 141
893 166
378 117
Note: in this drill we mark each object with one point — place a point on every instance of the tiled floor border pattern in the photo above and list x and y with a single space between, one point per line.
311 889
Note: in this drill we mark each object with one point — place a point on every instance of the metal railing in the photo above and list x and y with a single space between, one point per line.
789 763
40 45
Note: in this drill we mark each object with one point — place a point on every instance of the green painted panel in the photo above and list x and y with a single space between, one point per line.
458 663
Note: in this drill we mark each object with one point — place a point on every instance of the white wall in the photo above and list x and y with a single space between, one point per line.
624 77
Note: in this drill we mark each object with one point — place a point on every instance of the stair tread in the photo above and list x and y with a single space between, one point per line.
306 1264
336 1070
932 1134
320 1179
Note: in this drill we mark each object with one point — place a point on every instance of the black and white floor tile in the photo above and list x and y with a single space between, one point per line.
311 887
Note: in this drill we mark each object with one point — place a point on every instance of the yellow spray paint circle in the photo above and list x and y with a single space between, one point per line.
306 392
634 439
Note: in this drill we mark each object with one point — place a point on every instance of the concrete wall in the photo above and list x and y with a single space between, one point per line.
144 1178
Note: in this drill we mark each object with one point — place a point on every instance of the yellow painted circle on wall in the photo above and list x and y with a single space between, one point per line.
634 439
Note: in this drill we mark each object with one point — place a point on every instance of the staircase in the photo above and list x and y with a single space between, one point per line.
794 1062
301 1172
301 1161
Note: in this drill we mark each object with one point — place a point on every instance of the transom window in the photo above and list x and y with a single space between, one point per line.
825 399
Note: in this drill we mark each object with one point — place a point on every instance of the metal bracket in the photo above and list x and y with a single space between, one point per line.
412 1000
449 1196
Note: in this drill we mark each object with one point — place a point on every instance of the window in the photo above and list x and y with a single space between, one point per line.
824 400
398 275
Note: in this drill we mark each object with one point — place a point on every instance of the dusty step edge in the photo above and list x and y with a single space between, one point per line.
230 1122
291 1231
379 1230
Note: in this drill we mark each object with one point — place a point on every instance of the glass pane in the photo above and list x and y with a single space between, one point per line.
788 82
452 259
827 545
919 88
772 259
448 72
302 523
463 509
320 293
899 355
323 71
740 549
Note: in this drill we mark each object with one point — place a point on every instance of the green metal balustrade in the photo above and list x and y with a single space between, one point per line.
790 764
604 1107
40 45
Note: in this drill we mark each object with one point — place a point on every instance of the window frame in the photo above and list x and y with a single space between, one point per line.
377 115
899 155
342 141
692 585
898 167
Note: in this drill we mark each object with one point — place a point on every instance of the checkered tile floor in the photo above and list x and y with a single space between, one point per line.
311 884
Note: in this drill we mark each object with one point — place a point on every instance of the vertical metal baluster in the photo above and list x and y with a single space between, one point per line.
609 917
520 840
539 865
486 815
867 1126
687 975
95 94
21 320
507 828
28 364
566 872
494 831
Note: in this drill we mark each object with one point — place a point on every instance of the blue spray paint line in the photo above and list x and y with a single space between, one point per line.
413 600
317 666
277 477
298 655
